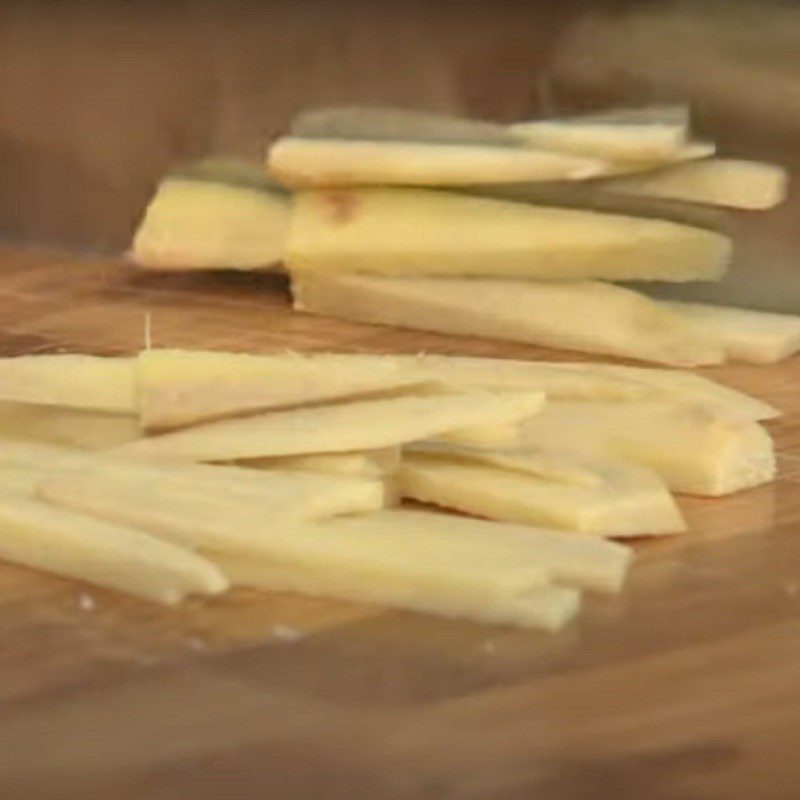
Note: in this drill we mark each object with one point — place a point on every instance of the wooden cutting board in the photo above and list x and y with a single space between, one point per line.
686 686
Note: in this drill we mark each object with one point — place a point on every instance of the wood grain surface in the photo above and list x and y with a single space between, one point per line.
685 687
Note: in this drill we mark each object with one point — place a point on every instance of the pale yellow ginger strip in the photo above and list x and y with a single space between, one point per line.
676 385
183 387
382 124
755 337
587 381
583 561
556 379
613 140
179 387
239 524
363 424
208 224
488 436
93 383
581 315
429 573
728 182
545 464
593 196
323 163
688 153
404 232
200 514
360 463
47 455
532 489
74 427
287 495
380 464
546 607
35 534
20 479
694 450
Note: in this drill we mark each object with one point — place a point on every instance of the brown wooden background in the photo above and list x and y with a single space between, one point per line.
98 99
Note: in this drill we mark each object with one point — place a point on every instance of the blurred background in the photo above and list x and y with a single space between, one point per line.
99 99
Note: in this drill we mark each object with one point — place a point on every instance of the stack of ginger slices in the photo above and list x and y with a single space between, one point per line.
176 473
541 232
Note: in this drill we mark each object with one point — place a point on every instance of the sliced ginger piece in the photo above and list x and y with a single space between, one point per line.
301 162
694 450
615 136
73 427
543 464
419 232
613 320
727 182
431 576
54 456
430 591
194 223
236 522
755 337
593 196
222 514
382 124
588 381
237 525
20 479
376 463
585 562
689 153
35 534
47 455
596 140
603 497
679 385
93 383
380 464
488 436
182 387
556 379
363 424
290 495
